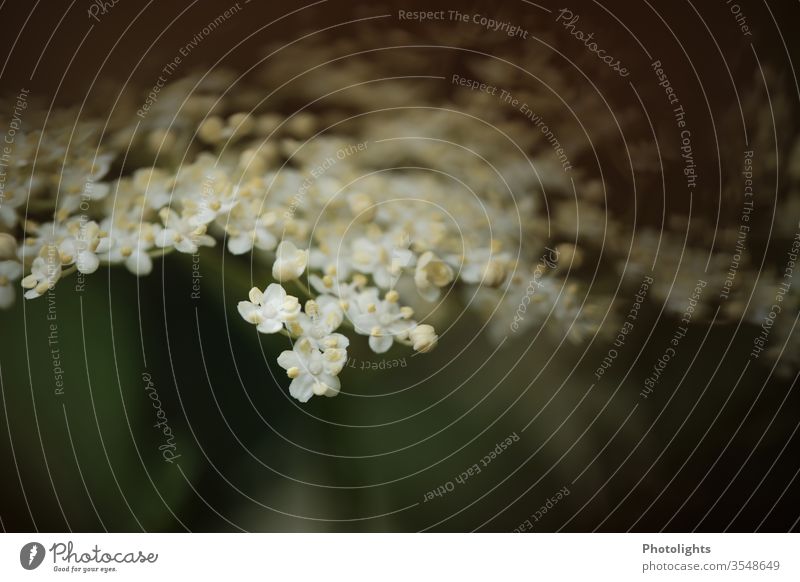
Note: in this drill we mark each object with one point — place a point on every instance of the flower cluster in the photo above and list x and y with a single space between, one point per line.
376 223
319 353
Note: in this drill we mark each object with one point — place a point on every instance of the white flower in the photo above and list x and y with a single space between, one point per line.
330 255
362 301
9 271
130 246
81 248
423 338
329 309
431 274
45 272
245 232
217 198
321 318
290 262
318 324
82 177
332 345
311 373
269 310
179 233
384 260
156 186
384 322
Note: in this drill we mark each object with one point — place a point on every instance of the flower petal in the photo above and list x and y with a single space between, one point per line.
380 344
270 326
239 245
289 359
139 263
274 294
249 312
302 387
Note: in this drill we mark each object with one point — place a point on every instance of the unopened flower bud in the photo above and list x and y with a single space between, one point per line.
290 262
424 338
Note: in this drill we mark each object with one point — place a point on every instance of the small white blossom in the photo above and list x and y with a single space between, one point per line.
82 248
311 373
319 322
269 310
321 318
156 185
179 233
431 275
319 332
217 198
384 322
246 232
130 246
384 259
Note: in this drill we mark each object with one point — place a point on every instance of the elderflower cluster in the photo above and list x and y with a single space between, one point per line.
370 222
319 353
